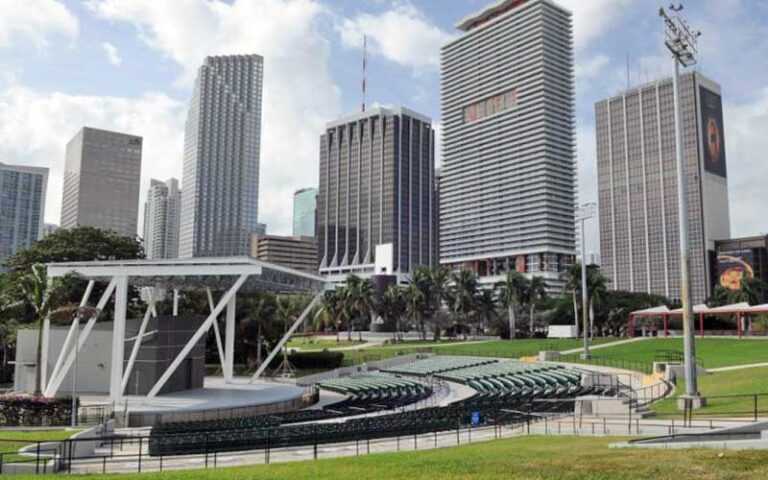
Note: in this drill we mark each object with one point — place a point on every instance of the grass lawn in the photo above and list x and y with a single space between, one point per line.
311 343
710 352
737 382
12 440
495 348
567 458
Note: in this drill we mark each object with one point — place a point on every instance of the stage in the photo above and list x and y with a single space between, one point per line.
216 400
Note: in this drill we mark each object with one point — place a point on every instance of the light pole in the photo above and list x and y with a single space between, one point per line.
585 212
682 42
74 371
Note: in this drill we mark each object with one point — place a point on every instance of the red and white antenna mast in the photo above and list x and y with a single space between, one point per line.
365 52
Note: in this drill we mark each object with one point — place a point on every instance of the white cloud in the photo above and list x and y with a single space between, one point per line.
47 121
746 144
401 34
35 21
593 18
299 93
112 53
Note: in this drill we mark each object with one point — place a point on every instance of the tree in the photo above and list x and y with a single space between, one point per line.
390 306
485 308
441 278
41 297
420 298
463 296
597 289
357 297
511 292
329 311
537 290
571 278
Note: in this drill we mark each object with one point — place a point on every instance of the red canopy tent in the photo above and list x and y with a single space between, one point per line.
737 309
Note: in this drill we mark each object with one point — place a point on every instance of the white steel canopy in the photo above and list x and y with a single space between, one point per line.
228 275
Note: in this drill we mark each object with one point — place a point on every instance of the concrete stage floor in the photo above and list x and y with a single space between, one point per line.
215 394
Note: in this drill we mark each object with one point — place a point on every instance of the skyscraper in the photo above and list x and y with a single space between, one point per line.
101 181
161 219
22 207
637 185
219 202
376 205
304 205
507 187
293 252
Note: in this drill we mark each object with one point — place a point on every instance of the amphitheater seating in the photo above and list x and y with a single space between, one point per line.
374 392
438 364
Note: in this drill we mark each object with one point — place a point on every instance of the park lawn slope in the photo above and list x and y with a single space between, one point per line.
710 352
12 440
561 458
746 382
494 348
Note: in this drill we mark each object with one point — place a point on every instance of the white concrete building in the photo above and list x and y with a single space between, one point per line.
161 220
507 187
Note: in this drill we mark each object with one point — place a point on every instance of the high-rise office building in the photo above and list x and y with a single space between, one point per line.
101 181
376 205
219 201
637 185
161 220
507 187
293 252
304 205
22 207
49 228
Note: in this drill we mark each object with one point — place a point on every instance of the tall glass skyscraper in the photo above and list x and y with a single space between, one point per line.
161 220
304 203
22 207
219 201
507 187
102 173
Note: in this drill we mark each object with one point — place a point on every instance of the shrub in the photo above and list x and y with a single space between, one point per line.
19 411
312 360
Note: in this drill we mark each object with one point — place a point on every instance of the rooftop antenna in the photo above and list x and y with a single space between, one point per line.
365 53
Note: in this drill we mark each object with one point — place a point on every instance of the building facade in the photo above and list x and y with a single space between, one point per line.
162 214
101 181
219 202
738 258
376 205
637 185
304 205
48 229
293 252
22 207
507 187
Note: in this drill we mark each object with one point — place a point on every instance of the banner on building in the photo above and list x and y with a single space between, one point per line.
734 266
712 132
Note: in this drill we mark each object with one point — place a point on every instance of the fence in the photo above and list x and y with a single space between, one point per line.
751 406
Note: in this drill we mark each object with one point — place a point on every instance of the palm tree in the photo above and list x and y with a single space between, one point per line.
597 289
463 295
571 278
441 278
254 309
358 299
329 311
419 297
511 293
485 308
537 289
390 306
40 296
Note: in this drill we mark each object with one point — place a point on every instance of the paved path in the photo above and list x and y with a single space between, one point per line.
737 367
605 345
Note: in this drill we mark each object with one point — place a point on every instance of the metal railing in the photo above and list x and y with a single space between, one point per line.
752 406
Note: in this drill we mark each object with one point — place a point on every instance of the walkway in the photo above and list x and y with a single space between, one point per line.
737 367
605 345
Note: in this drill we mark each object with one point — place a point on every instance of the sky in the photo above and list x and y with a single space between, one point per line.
129 65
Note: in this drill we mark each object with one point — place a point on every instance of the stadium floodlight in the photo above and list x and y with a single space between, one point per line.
584 213
682 42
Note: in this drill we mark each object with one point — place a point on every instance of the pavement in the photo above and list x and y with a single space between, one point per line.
605 345
737 367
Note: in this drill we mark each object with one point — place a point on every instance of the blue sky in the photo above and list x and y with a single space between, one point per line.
130 64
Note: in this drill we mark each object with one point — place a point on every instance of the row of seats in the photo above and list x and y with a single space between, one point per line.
374 392
438 364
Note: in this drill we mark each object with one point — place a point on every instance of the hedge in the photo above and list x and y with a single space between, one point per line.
20 411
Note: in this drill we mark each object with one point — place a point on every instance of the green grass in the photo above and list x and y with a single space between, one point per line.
496 348
542 458
310 343
710 352
12 440
737 382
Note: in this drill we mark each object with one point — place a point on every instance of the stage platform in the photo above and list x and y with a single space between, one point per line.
216 400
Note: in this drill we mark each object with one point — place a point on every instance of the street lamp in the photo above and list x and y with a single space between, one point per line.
584 213
682 42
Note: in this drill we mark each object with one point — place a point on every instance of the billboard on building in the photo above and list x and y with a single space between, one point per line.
712 132
733 266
